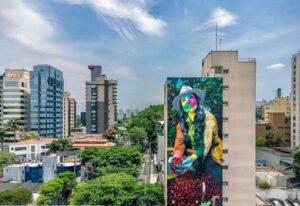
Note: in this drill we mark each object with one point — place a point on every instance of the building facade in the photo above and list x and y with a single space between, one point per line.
15 98
69 114
47 86
295 101
101 104
83 118
239 87
279 105
31 149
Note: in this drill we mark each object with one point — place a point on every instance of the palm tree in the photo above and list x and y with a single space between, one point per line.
2 134
14 125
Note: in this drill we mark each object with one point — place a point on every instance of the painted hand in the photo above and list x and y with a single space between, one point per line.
186 164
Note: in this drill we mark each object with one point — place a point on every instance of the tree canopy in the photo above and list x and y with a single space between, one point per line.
296 162
28 135
118 190
271 138
60 145
6 158
18 196
114 160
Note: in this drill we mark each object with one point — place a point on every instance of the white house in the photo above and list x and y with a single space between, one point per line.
31 149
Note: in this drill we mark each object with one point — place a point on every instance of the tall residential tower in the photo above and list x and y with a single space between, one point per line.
47 86
238 124
101 102
295 101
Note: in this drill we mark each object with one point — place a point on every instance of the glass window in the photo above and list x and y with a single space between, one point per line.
11 83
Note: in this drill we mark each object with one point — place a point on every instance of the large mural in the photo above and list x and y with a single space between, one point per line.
194 141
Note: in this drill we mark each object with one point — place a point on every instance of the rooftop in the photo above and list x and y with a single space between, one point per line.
36 141
283 151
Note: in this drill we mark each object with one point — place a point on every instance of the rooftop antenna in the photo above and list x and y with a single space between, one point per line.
216 36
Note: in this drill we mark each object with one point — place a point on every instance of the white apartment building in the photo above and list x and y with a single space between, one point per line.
31 149
295 101
69 114
239 87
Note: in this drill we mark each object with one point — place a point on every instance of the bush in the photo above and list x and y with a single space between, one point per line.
264 185
15 197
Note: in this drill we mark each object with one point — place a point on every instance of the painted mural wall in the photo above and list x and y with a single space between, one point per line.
194 141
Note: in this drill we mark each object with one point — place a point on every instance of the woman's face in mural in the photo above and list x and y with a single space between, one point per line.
189 102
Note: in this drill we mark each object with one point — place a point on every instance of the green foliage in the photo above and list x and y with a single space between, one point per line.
60 145
147 119
2 135
118 190
264 185
50 190
109 134
138 136
18 196
296 162
6 158
261 141
274 138
112 160
28 135
13 125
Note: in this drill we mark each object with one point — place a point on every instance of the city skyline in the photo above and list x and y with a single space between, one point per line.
160 39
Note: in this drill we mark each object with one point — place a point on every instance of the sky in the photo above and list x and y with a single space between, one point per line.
140 43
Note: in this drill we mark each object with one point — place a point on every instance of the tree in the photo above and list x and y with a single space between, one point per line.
53 188
6 158
274 138
264 185
151 195
109 134
14 125
296 162
2 135
60 145
261 141
18 196
112 189
138 136
28 135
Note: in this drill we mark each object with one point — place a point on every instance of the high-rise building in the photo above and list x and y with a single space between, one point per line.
238 123
69 114
295 101
278 93
96 71
83 118
15 97
101 103
47 92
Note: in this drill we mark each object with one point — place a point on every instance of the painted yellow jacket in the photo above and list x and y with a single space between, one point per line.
211 138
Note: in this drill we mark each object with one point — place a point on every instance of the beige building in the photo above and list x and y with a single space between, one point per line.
69 114
239 84
15 98
101 103
279 105
295 101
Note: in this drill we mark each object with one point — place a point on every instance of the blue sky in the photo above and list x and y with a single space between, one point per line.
142 42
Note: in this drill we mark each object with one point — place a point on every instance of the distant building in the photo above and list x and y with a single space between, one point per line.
279 105
31 149
239 87
69 114
101 103
278 92
277 122
96 71
83 118
90 140
47 88
15 98
295 101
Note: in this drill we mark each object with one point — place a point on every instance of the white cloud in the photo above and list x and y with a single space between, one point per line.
222 17
277 66
157 69
126 17
26 26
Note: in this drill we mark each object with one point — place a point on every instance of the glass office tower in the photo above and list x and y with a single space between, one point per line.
47 86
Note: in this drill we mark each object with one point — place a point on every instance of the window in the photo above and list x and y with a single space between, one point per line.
225 135
225 151
218 70
225 183
225 119
11 83
225 71
225 199
225 167
20 148
225 103
225 87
